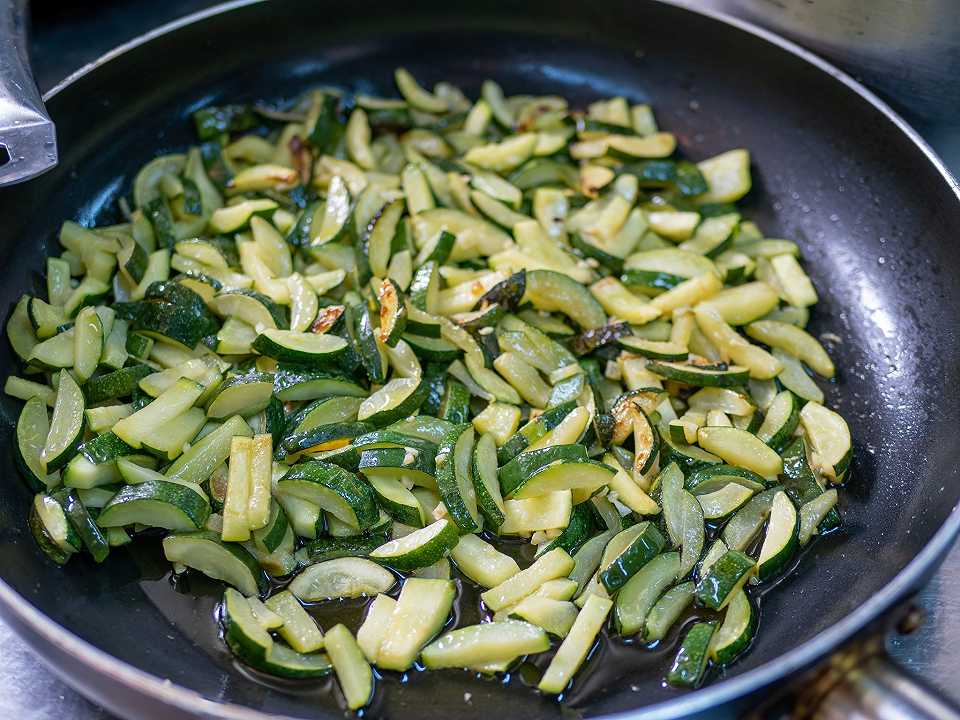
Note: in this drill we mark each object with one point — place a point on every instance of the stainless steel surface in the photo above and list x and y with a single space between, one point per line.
928 651
907 50
28 139
879 690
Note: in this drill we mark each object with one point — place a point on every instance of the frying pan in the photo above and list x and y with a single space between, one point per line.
873 209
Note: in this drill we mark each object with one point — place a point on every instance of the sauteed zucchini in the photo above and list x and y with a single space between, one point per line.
373 347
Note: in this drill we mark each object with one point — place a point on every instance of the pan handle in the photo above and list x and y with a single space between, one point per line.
878 689
28 140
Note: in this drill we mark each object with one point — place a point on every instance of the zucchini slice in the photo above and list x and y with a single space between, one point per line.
203 551
298 347
667 610
576 645
485 480
420 548
415 95
334 489
397 399
252 644
156 503
691 661
481 562
830 443
66 425
144 424
33 426
549 566
421 611
724 578
638 595
636 545
553 292
372 631
737 630
474 645
344 577
780 542
738 447
455 478
352 669
51 530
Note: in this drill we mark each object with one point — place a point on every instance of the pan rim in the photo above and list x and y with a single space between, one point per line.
192 702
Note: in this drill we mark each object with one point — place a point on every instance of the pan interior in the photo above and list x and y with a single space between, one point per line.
874 219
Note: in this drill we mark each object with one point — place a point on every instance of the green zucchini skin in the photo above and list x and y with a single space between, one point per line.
334 479
86 529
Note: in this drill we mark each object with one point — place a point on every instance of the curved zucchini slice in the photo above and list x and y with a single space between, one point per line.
455 478
485 480
325 438
724 578
33 426
518 471
700 375
299 347
780 420
481 562
420 613
683 516
415 95
587 477
420 548
203 551
397 501
353 671
294 382
409 464
344 577
20 331
334 489
724 501
638 595
633 549
66 425
780 542
737 630
691 661
657 350
399 398
667 610
794 377
474 645
245 395
830 442
743 527
88 338
52 531
156 503
554 292
727 176
715 477
253 645
738 447
504 156
549 566
257 311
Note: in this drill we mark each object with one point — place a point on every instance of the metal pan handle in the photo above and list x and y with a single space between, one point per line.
28 140
878 689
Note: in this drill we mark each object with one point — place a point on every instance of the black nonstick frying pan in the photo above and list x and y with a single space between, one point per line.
873 209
